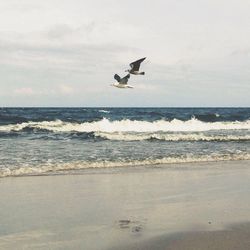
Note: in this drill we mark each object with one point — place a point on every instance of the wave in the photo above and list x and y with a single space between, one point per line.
105 125
169 137
130 137
64 168
103 111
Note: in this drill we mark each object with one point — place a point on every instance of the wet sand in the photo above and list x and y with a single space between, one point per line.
234 237
182 206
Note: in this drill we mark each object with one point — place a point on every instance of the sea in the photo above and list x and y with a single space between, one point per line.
47 141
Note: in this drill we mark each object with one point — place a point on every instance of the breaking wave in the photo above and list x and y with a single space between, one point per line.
64 168
105 125
118 136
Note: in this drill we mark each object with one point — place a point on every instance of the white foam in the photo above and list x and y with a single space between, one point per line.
48 125
126 136
78 165
105 125
104 111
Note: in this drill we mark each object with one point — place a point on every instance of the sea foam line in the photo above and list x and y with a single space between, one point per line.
105 125
79 165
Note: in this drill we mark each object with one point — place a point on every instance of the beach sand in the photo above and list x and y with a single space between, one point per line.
176 206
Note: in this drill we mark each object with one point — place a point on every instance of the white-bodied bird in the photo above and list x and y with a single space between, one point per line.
122 82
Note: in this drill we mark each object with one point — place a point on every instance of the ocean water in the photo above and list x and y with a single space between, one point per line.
61 140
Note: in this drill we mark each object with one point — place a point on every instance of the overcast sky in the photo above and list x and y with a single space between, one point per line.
66 52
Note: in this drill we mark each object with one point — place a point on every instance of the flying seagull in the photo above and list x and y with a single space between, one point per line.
122 82
135 66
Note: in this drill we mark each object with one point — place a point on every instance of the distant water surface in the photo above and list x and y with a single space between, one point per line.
49 140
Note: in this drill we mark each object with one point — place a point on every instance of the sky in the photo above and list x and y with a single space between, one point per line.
65 53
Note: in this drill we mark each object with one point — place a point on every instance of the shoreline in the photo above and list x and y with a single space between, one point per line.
129 168
123 208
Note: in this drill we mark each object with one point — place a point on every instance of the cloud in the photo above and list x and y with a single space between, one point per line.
59 31
60 48
74 48
64 31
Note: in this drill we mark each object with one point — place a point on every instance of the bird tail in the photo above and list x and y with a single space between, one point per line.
142 73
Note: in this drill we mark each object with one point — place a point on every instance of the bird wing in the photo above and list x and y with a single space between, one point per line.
136 64
117 78
124 80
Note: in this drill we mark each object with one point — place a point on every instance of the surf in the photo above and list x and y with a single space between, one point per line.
127 125
66 168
